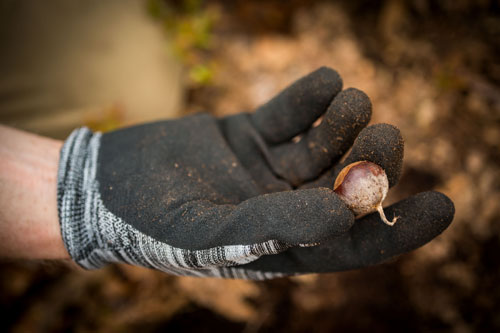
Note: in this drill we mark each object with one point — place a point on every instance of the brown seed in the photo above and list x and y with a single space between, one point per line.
363 187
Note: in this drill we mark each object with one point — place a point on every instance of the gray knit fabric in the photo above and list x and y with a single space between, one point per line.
94 236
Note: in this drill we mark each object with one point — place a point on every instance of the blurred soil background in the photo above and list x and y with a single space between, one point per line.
430 67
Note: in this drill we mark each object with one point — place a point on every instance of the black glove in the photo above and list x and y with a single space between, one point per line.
237 197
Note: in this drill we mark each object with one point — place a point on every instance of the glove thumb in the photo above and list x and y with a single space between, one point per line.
293 217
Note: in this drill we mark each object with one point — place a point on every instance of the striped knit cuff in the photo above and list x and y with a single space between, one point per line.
77 168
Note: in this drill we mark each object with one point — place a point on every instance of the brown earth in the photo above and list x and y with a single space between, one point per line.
433 71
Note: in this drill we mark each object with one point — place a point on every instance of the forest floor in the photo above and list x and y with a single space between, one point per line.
431 71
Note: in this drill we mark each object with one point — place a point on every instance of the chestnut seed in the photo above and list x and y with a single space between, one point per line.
363 187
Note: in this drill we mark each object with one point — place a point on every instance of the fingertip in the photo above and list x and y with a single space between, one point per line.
329 78
315 215
381 144
295 108
338 217
422 217
432 210
448 207
347 115
353 106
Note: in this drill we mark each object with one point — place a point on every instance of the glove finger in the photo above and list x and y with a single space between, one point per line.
290 217
381 144
295 109
323 145
422 217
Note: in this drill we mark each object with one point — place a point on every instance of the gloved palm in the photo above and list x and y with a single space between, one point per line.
246 196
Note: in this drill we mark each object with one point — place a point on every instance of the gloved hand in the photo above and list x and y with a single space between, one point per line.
238 197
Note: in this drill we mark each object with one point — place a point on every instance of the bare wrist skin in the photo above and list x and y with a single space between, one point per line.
29 224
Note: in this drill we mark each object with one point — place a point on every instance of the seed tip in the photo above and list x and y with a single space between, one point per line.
384 219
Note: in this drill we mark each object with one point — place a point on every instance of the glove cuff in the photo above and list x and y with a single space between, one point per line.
77 168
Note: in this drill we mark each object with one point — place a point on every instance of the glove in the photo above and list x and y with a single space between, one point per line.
245 196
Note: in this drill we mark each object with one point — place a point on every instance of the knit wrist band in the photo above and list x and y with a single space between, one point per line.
77 167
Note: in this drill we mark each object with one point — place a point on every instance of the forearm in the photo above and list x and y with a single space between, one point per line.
29 225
